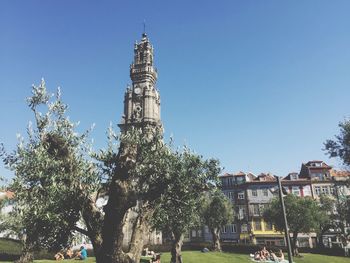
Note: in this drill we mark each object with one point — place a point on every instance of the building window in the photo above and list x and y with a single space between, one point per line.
231 195
233 228
281 243
332 190
268 226
223 182
239 179
199 233
265 192
194 233
187 235
257 225
325 190
223 230
262 207
254 192
256 209
241 195
230 181
296 190
241 212
244 228
317 190
260 241
294 177
318 175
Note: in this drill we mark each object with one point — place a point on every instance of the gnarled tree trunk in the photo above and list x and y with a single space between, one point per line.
112 231
176 246
120 200
27 253
216 239
93 220
140 228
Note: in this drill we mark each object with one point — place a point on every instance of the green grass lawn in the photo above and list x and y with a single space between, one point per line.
211 257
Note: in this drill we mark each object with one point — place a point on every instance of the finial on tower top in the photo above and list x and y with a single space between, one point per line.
144 29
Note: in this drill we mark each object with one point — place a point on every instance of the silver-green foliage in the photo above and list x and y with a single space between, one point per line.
180 207
217 210
53 174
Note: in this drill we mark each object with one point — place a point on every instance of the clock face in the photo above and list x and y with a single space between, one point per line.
137 90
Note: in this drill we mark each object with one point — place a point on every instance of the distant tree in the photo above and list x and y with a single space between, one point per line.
180 206
326 219
10 225
340 147
217 212
303 215
341 218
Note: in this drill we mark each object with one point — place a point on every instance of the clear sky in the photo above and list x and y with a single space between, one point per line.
259 85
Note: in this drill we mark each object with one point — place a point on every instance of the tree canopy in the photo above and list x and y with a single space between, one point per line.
340 147
49 165
180 206
217 212
304 215
58 179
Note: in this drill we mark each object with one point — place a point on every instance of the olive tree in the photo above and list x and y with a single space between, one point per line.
57 182
304 215
180 206
53 176
217 212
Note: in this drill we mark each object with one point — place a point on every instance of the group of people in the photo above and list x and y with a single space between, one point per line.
265 255
69 254
155 258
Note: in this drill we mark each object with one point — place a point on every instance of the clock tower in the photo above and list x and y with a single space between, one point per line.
141 99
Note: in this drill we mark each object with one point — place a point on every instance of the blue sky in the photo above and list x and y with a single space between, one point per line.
259 85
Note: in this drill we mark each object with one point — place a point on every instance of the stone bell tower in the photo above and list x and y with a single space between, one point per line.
142 100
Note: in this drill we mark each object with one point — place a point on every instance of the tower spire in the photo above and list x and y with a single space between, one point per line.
144 27
142 100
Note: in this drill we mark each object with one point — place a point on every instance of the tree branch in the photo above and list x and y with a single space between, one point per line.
81 230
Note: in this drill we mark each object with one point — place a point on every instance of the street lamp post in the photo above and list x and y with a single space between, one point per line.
285 219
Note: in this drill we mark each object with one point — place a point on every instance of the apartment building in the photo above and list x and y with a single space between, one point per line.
250 194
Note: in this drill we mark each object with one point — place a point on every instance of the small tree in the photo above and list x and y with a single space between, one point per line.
180 206
303 215
340 148
217 212
51 169
326 219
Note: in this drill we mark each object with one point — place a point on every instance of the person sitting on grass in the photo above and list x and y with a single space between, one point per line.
82 254
69 253
281 258
275 258
59 256
155 258
256 256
